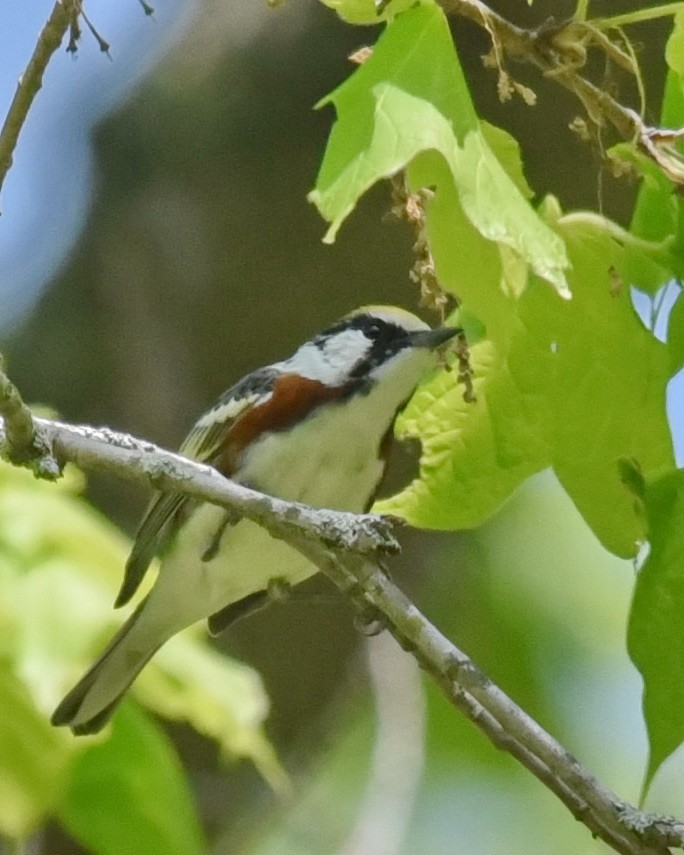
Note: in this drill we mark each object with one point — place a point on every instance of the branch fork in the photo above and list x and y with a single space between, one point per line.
349 549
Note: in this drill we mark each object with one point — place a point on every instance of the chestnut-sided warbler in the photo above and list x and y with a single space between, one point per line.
314 428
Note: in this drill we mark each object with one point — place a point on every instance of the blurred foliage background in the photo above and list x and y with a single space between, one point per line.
201 259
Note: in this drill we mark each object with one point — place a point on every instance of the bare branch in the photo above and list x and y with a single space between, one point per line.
31 80
348 549
620 825
105 450
558 50
22 444
19 428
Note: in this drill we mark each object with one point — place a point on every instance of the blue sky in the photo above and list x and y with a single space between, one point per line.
665 299
48 188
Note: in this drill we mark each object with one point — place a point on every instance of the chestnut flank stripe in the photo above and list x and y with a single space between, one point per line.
292 400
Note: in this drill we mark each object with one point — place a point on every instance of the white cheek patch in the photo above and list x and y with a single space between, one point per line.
347 348
332 364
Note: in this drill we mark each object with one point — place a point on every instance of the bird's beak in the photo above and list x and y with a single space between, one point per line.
432 339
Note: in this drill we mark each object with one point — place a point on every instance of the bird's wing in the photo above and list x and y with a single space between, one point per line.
204 443
151 536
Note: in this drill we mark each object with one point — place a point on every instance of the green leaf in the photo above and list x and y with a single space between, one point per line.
659 212
414 55
675 335
507 151
60 565
674 50
473 454
468 469
633 478
410 98
656 622
220 698
128 794
577 386
354 11
60 613
608 395
66 563
365 11
33 761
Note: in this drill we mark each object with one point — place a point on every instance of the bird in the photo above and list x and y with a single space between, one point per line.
314 428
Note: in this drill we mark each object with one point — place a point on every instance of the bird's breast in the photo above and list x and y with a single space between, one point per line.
332 459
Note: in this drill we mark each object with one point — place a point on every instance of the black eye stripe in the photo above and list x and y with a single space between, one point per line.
373 328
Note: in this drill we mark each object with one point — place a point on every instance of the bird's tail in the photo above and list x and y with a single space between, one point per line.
92 701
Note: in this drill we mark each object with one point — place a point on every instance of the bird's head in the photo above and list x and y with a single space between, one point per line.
368 345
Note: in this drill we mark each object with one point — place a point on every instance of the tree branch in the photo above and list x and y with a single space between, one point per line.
559 51
509 728
348 548
31 80
19 427
22 444
113 453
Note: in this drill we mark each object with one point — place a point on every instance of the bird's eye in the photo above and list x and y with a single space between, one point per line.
374 329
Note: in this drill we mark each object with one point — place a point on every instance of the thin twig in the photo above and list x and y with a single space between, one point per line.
552 50
103 44
582 10
411 207
638 16
347 549
31 80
